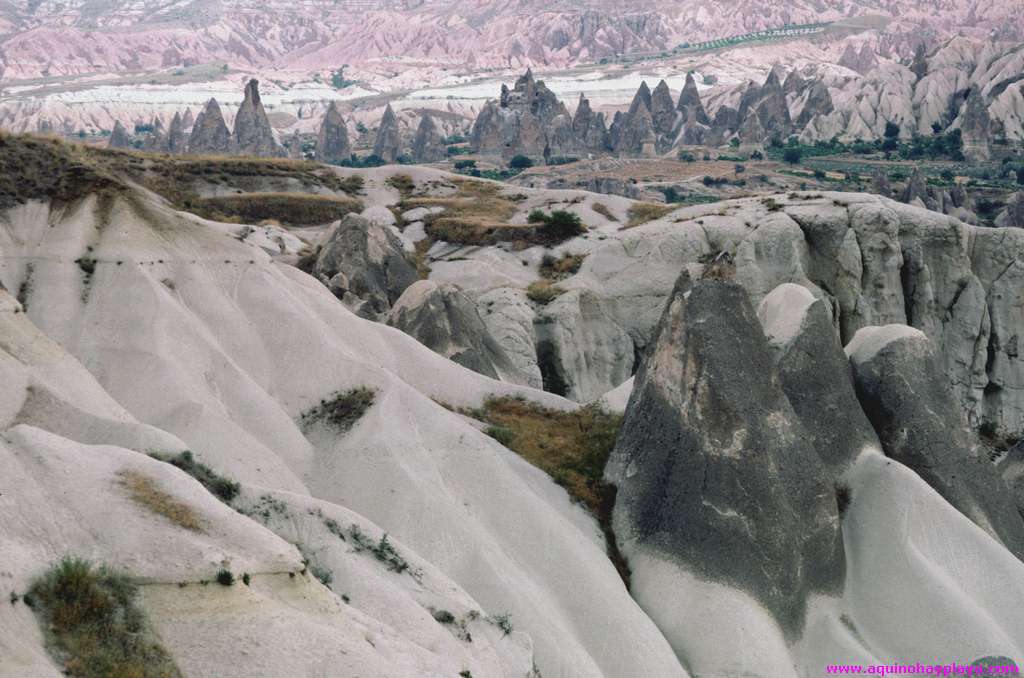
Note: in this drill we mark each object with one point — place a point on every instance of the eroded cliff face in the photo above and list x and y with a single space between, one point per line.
874 262
765 476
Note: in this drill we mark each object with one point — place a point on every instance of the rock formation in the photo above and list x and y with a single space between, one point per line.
633 133
210 134
332 144
388 144
863 61
372 261
1012 215
177 142
902 389
428 144
663 113
119 137
443 318
815 374
294 146
716 476
253 134
689 100
526 120
976 127
589 128
156 141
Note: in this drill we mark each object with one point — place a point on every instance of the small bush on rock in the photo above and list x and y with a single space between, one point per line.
93 626
219 486
343 409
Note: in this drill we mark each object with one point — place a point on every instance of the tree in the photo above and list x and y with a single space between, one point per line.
892 130
520 162
1020 176
558 226
792 155
465 164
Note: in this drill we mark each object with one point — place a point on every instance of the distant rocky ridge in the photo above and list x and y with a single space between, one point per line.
964 86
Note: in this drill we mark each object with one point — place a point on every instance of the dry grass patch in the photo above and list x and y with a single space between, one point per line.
290 209
642 212
571 447
34 167
543 292
557 269
144 491
476 214
92 625
603 210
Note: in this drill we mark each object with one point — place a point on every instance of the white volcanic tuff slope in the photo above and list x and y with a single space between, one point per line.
62 497
198 334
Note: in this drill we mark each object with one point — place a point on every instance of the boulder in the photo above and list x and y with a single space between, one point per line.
210 134
443 318
902 389
388 144
372 260
332 144
428 144
253 134
716 478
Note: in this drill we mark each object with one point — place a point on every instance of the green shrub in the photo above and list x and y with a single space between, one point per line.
444 617
520 162
92 623
556 227
225 578
792 155
219 486
342 409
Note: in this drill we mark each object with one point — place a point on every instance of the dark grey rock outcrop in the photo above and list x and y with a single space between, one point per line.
663 112
177 142
815 374
118 137
902 389
428 144
1012 216
389 137
714 471
443 318
976 127
589 128
253 134
372 261
332 144
689 100
210 133
156 141
526 120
